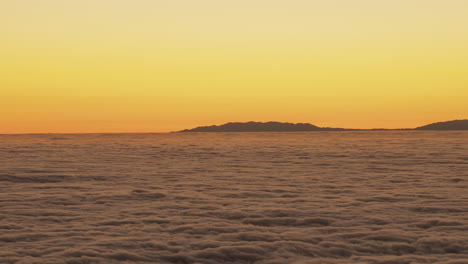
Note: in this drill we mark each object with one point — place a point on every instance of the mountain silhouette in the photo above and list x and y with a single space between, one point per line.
448 125
292 127
260 127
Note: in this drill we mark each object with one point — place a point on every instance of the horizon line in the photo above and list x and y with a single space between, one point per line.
168 132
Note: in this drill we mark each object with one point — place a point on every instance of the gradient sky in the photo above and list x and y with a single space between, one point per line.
164 65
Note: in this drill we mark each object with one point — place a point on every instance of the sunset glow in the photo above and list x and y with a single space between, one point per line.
165 65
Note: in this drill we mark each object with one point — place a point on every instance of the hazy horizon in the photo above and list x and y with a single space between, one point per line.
154 132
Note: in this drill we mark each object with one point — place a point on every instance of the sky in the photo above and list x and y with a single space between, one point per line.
85 66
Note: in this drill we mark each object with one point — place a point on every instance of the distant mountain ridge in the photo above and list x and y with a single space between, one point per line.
297 127
448 125
259 127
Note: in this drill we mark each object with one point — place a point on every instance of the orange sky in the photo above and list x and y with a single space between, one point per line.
158 66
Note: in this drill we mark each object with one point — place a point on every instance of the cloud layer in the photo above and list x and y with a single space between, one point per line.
383 198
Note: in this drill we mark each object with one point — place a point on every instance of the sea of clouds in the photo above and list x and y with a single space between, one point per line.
264 198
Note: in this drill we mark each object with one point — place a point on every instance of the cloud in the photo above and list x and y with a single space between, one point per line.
142 205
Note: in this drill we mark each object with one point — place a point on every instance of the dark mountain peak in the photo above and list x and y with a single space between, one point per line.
258 127
273 126
448 125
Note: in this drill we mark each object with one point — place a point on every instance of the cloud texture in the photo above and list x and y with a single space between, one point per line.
302 198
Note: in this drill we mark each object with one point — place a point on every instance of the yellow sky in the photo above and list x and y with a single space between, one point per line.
164 65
